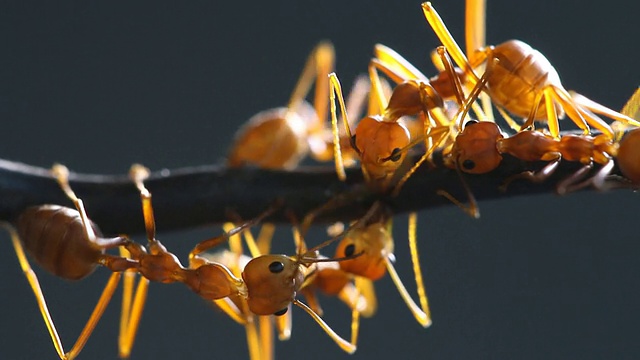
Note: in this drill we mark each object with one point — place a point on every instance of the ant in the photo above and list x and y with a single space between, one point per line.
66 243
479 147
380 140
280 138
267 285
374 239
371 236
519 78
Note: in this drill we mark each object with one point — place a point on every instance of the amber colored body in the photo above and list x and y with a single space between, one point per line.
629 155
272 139
376 141
55 238
519 79
479 146
518 76
376 244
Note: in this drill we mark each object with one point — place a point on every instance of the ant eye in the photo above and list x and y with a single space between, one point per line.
281 312
470 122
276 267
349 250
395 155
468 164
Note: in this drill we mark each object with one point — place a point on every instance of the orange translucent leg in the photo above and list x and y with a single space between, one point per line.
603 110
346 346
438 26
284 324
367 291
336 90
215 241
580 117
396 67
61 174
251 330
318 66
438 133
355 104
419 313
265 335
475 27
129 325
632 107
101 305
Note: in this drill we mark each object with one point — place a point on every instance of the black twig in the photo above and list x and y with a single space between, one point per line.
196 196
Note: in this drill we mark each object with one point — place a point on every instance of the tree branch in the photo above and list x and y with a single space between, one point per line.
196 196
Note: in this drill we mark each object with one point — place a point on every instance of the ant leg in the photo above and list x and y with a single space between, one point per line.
265 336
419 313
346 346
632 107
564 186
138 174
597 181
251 330
440 133
335 88
215 241
627 112
453 77
417 271
32 278
355 103
129 325
367 291
475 27
573 112
61 174
508 119
394 65
448 41
472 208
534 177
529 122
318 66
284 325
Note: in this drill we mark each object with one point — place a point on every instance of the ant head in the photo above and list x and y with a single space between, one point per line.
382 145
411 97
272 282
475 148
374 242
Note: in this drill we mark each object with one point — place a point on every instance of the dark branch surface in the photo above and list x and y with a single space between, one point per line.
196 196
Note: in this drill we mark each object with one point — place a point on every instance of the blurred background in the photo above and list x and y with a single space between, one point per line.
98 86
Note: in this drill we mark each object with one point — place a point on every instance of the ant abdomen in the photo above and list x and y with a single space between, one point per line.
55 238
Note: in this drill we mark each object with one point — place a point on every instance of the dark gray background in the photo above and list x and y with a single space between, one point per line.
98 86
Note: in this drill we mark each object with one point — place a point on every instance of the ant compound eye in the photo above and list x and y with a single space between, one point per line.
349 250
281 312
468 164
470 122
395 155
276 267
